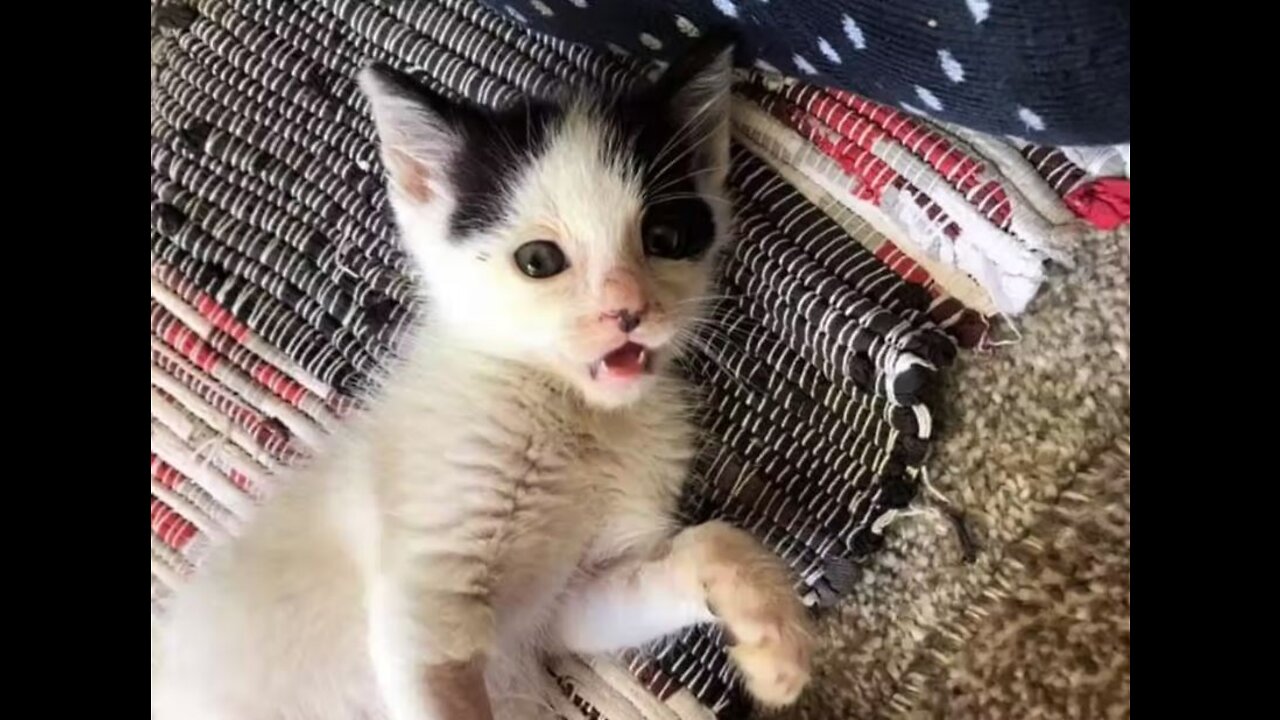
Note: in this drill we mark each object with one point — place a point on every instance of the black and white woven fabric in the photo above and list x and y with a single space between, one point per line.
267 201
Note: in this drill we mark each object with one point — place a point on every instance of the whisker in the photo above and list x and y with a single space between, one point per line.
687 196
705 298
688 176
692 146
686 127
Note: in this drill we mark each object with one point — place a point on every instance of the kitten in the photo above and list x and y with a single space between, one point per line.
512 491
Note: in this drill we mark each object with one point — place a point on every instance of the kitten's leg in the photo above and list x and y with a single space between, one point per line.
710 572
428 641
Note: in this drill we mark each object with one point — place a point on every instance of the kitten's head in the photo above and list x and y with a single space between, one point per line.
577 237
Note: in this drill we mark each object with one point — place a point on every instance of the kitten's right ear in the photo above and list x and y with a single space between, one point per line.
417 133
699 86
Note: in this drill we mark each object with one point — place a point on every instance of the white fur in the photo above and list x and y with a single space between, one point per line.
496 503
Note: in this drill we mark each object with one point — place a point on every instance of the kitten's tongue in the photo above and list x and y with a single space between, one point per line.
626 362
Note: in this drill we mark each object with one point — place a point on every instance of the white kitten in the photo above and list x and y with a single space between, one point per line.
512 491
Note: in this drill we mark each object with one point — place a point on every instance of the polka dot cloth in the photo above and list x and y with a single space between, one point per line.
1055 73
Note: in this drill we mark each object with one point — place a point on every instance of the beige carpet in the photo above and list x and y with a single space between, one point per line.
1036 451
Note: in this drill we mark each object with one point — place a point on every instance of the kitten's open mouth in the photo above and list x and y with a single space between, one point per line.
622 364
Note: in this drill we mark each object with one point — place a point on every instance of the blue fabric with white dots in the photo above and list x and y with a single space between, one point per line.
1055 72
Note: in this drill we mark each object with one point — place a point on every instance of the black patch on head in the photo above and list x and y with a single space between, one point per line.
497 148
663 148
668 169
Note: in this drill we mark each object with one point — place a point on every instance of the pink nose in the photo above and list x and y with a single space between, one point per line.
623 300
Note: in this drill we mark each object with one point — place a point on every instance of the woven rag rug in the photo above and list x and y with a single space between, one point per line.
865 254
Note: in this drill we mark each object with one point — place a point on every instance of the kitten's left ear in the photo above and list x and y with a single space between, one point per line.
419 132
699 86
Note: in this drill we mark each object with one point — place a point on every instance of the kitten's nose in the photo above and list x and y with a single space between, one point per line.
624 300
628 321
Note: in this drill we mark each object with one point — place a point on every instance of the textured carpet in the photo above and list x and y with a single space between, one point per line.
1035 450
1058 646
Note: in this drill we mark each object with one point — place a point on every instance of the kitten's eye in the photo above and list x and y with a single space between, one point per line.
663 241
541 259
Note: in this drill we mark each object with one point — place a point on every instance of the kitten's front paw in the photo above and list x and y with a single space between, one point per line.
775 672
750 590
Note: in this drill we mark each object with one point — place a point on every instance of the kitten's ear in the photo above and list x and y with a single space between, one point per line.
418 132
698 87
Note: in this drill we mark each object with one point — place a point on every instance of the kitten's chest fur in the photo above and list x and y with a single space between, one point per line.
521 486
